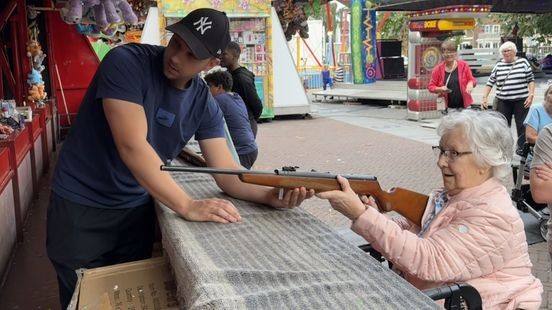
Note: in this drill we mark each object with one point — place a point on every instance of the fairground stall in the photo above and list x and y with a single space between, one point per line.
428 29
46 64
255 26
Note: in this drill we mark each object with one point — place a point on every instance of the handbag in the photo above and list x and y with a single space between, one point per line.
496 101
441 102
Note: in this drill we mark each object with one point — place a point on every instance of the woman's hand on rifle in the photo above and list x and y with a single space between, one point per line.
345 201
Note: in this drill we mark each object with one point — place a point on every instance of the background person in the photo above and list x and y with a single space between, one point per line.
243 83
326 78
235 114
143 105
470 230
538 117
339 75
515 86
541 175
452 79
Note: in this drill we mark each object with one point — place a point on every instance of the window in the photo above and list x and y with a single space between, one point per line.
496 28
495 45
487 29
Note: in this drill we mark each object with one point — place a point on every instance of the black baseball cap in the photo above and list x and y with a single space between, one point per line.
205 31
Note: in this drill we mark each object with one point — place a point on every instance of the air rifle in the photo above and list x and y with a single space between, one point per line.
407 203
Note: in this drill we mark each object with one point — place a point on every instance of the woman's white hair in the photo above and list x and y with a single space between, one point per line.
488 136
508 45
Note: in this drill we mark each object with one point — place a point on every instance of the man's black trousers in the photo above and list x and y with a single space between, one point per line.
85 237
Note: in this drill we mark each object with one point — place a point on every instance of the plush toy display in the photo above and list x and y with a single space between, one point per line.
100 12
34 78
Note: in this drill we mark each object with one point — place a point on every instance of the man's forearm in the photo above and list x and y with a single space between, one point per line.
144 164
232 186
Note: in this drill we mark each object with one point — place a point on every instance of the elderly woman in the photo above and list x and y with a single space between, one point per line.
452 79
539 116
515 86
470 230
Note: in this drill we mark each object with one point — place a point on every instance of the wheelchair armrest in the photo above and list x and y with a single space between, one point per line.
455 294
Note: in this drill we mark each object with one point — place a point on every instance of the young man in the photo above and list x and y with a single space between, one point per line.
235 114
142 106
244 83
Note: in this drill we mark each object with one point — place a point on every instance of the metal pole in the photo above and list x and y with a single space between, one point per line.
18 87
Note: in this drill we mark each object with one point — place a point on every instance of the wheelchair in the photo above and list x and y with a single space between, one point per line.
521 193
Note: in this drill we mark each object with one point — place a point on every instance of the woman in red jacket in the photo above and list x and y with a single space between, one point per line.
452 79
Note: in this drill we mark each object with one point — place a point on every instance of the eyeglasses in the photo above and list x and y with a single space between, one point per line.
448 51
506 51
449 154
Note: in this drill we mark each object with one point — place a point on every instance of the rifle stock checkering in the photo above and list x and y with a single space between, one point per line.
407 203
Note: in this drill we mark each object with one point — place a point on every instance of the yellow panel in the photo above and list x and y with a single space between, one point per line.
456 24
244 8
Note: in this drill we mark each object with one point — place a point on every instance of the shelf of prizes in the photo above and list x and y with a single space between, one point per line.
250 26
26 140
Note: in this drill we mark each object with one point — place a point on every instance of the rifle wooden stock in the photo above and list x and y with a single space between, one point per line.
408 203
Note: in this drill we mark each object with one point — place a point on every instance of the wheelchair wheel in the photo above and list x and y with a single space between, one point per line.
543 225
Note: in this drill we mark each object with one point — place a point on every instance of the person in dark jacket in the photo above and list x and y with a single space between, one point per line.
235 114
244 83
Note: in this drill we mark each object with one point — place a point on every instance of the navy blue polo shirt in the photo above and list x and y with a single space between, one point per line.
237 120
89 170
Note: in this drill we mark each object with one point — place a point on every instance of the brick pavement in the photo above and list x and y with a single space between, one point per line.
326 144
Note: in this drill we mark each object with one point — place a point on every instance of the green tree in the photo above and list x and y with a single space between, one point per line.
395 26
537 26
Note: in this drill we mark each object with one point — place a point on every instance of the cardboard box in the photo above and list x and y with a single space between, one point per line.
145 284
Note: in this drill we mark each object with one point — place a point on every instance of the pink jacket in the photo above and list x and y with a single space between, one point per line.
464 76
478 238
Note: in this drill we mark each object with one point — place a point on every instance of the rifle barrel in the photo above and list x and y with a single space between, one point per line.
275 172
212 170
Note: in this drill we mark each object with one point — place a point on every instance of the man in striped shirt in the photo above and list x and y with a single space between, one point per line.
515 86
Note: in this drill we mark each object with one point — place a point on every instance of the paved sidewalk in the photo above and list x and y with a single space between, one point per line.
365 139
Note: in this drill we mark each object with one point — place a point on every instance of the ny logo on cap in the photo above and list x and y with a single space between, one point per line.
204 24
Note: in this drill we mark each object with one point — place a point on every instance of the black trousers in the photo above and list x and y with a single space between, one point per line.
253 124
515 108
85 237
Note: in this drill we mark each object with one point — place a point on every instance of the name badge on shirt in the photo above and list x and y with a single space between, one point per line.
165 117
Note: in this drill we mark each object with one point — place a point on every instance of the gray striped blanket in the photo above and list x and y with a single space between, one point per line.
274 259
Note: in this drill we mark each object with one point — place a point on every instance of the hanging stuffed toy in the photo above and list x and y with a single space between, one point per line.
126 12
74 9
34 78
36 93
104 12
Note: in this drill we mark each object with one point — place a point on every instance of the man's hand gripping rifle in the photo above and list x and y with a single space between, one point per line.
407 203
